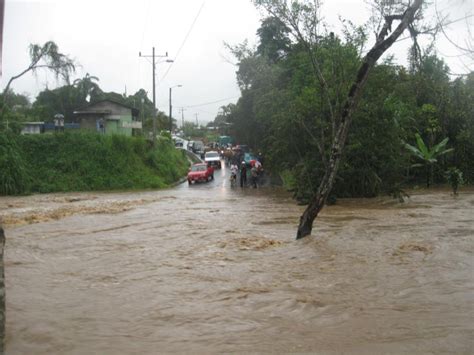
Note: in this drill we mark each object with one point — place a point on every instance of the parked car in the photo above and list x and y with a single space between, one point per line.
178 142
190 145
200 172
213 159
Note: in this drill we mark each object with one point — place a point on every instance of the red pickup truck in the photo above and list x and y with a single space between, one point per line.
200 172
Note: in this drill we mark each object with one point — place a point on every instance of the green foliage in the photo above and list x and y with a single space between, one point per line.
87 89
425 154
16 112
289 179
428 156
48 56
13 174
191 130
64 100
397 192
168 162
274 39
285 112
455 179
84 161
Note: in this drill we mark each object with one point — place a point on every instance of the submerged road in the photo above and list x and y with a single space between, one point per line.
209 268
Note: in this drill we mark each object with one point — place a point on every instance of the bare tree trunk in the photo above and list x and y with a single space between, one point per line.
5 91
382 44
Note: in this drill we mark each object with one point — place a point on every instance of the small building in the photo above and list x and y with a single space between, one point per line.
108 117
32 128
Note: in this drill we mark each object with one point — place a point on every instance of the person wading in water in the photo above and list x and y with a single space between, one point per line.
243 174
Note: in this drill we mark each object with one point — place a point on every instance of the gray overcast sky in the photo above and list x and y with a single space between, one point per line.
105 37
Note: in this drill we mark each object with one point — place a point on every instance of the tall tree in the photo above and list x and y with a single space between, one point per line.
274 41
46 57
88 88
64 99
303 19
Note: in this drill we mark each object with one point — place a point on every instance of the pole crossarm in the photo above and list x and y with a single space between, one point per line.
153 56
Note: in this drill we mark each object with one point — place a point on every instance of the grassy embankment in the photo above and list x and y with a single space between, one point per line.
86 162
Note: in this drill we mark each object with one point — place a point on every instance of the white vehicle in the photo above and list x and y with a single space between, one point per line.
178 142
213 159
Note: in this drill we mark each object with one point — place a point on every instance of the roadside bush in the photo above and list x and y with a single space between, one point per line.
13 174
455 178
170 163
85 162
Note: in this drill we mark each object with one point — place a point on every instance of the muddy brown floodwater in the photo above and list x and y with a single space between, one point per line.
214 269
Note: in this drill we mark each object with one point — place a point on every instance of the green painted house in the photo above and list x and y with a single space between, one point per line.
108 117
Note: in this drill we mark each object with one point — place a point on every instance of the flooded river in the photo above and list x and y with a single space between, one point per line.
213 269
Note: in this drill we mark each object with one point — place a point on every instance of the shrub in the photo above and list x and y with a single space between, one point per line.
13 174
87 161
455 179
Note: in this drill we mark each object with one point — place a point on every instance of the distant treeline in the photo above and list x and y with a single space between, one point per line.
86 162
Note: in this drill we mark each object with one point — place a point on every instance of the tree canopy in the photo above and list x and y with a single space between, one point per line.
302 87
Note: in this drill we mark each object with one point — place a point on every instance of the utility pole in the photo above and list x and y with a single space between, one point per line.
197 122
153 62
171 108
154 99
171 117
143 116
182 109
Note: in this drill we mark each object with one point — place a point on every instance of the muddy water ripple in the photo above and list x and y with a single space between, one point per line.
211 269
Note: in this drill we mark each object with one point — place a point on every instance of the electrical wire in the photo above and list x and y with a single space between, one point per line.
212 102
184 41
145 27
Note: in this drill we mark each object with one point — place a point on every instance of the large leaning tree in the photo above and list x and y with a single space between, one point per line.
46 57
304 21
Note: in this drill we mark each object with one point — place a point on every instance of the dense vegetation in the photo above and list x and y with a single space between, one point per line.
284 112
16 108
78 161
86 161
413 125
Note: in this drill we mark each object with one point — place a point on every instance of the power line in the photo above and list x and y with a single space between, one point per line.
145 26
204 111
194 109
212 102
184 41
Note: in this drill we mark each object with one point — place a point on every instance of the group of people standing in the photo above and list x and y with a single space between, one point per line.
58 123
256 171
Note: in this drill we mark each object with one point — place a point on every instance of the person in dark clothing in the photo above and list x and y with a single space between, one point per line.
243 175
101 126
